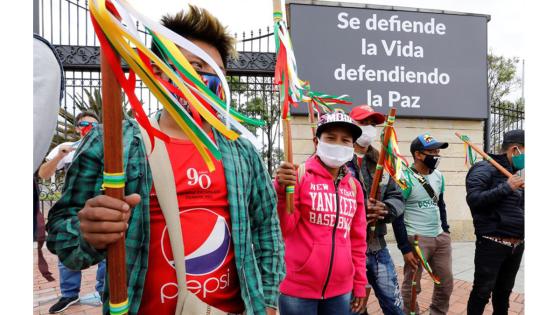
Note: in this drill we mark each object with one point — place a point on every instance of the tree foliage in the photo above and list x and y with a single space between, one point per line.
66 127
255 98
502 78
503 81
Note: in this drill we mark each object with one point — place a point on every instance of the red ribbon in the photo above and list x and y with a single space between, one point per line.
128 85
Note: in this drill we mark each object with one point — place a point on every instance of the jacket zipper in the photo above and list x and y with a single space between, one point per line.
333 242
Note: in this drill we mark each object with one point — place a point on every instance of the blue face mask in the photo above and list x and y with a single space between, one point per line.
213 83
211 80
518 161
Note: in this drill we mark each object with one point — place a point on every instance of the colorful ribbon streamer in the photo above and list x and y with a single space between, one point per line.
113 180
396 164
291 87
470 154
108 17
425 263
118 308
322 103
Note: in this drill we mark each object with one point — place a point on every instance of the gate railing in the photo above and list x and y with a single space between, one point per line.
503 118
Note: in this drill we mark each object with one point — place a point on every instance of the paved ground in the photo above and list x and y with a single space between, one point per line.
463 263
47 293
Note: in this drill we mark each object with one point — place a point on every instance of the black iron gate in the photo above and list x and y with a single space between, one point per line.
503 118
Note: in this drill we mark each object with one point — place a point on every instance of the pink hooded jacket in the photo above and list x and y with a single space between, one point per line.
320 262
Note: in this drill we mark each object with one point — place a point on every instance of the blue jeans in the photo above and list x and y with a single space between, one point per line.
382 277
338 305
71 280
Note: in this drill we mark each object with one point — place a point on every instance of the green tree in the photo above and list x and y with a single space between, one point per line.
66 127
503 80
255 98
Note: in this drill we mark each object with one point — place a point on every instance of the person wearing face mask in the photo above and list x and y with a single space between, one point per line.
381 273
58 159
233 248
425 215
325 236
61 156
497 206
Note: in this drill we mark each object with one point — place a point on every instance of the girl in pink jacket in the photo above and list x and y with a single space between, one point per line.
325 266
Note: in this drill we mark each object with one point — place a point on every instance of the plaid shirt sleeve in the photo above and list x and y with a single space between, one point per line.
83 181
265 230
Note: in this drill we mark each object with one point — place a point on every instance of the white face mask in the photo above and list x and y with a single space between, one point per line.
334 155
368 136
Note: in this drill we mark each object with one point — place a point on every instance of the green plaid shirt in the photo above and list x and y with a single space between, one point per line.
257 242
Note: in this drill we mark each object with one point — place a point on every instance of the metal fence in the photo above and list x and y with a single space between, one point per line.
67 25
503 118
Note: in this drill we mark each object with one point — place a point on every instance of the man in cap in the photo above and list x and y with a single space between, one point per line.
381 273
425 215
498 211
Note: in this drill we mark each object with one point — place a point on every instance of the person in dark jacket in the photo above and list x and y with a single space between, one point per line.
498 211
381 273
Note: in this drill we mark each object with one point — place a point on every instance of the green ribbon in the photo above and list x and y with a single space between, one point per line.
113 180
119 309
189 121
202 86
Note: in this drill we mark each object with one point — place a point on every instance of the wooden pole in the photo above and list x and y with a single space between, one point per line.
277 6
414 284
311 119
289 157
485 156
287 135
112 146
379 168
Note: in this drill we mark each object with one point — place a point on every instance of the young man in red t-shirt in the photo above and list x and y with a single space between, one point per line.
231 236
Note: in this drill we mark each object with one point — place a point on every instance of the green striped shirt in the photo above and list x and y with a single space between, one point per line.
258 245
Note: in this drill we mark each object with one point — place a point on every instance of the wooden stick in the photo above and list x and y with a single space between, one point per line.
112 146
414 284
485 156
277 6
289 157
311 116
379 168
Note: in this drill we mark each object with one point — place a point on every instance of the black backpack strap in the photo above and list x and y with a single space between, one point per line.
427 187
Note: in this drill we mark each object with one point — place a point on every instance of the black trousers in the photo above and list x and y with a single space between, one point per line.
496 266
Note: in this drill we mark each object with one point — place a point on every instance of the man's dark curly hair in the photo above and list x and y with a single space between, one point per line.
199 24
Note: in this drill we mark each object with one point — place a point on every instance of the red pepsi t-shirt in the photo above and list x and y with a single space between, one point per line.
206 226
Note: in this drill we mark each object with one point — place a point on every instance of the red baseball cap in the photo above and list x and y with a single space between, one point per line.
362 112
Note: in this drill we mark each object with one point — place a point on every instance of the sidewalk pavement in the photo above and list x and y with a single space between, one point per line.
463 273
463 263
46 293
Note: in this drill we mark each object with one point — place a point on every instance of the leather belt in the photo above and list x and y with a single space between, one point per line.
508 241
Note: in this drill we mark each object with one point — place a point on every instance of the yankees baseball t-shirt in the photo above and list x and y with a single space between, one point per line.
206 226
